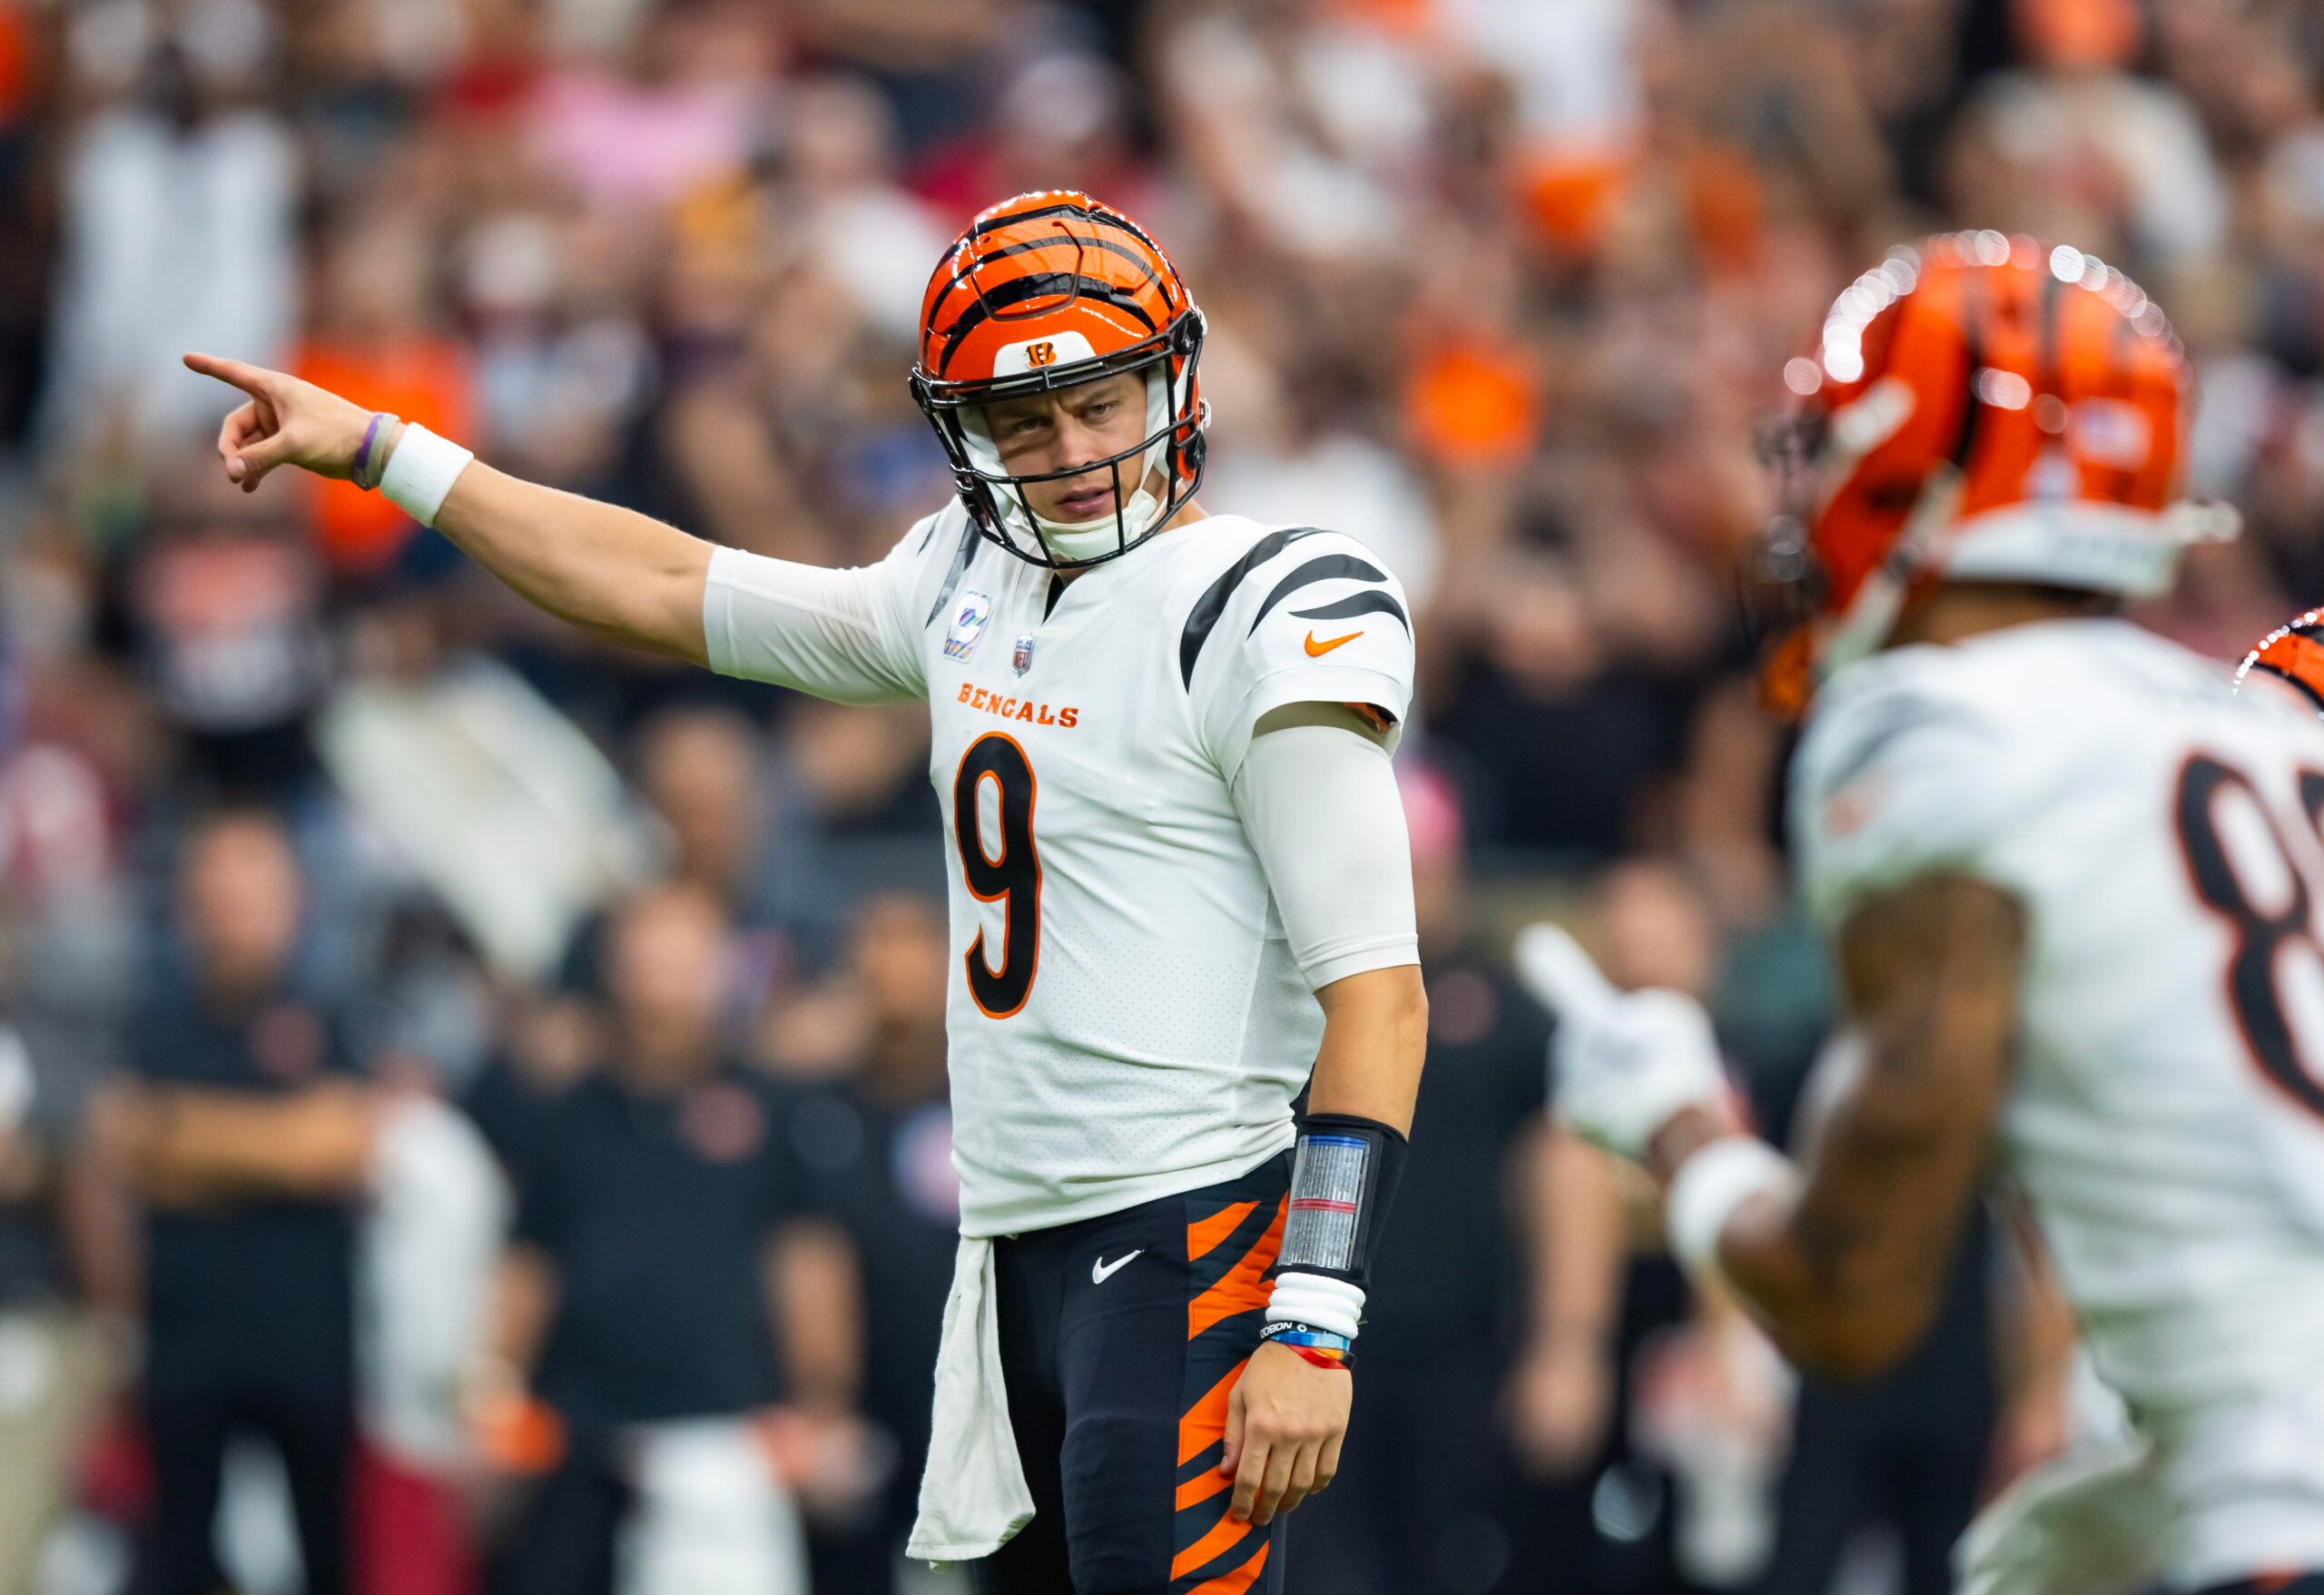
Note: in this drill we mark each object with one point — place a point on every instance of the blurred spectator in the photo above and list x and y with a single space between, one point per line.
243 1135
221 608
1425 1501
179 194
876 1150
705 773
52 1353
653 1303
370 335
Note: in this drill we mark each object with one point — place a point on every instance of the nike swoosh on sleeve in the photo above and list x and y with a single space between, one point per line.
1316 650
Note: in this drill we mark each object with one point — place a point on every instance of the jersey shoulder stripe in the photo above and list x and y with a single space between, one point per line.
1354 564
1204 617
1323 567
1356 603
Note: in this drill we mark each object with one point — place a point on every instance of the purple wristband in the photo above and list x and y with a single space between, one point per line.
359 473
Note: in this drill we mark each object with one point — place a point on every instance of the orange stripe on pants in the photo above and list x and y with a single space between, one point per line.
1235 1580
1242 1288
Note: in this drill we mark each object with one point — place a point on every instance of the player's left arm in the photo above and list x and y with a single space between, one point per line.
1846 1262
1319 801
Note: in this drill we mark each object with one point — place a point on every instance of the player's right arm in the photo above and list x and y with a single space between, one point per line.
619 573
1842 1253
623 575
1848 1272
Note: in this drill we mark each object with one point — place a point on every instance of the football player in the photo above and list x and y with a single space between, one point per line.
2073 883
1181 888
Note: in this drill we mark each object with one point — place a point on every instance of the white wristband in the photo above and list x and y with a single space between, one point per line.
1318 1299
1709 1186
421 471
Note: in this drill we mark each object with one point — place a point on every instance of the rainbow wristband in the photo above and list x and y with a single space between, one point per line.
1306 1339
363 472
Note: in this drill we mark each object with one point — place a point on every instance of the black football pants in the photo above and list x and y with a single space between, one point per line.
1121 1340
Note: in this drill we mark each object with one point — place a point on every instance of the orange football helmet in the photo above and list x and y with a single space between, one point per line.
1043 291
2293 654
1978 407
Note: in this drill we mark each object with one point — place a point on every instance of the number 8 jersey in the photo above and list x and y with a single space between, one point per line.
2166 1113
1125 1019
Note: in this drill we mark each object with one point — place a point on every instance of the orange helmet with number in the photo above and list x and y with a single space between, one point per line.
1978 407
1042 292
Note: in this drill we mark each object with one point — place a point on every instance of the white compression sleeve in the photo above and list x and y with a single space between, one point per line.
1318 799
831 632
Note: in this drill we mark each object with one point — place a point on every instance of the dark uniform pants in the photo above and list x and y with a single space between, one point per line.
1121 1340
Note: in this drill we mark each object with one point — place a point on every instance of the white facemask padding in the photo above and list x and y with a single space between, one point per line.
1089 539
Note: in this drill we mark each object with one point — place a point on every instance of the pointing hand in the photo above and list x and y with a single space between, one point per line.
288 422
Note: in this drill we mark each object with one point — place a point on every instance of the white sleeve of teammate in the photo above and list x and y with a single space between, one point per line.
1318 799
1321 622
842 634
1891 785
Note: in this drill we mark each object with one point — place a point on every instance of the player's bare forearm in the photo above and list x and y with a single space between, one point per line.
1847 1274
624 576
621 574
1375 1035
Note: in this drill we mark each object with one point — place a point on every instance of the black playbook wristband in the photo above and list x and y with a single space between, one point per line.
1343 1180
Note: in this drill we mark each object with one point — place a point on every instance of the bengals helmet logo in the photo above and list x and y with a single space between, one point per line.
2293 654
1043 353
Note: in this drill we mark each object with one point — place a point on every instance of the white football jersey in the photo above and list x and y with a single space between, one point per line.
1126 1020
2166 1113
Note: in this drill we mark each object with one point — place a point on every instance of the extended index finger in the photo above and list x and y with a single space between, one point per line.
1555 970
252 380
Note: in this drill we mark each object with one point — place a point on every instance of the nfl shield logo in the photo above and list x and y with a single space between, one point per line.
1023 658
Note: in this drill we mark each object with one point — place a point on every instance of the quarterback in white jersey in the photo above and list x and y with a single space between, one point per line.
2074 883
1181 890
1131 1021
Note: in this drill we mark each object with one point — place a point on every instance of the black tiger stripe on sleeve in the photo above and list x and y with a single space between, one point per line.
1323 567
1359 604
1203 619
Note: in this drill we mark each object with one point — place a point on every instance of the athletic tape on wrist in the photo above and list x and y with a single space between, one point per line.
421 471
1708 1189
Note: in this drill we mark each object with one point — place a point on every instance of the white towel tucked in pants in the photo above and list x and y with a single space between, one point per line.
973 1498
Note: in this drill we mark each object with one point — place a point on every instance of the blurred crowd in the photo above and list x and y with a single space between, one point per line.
472 1100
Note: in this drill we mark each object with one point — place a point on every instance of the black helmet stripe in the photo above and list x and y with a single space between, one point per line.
1096 218
988 305
1063 239
966 280
961 246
